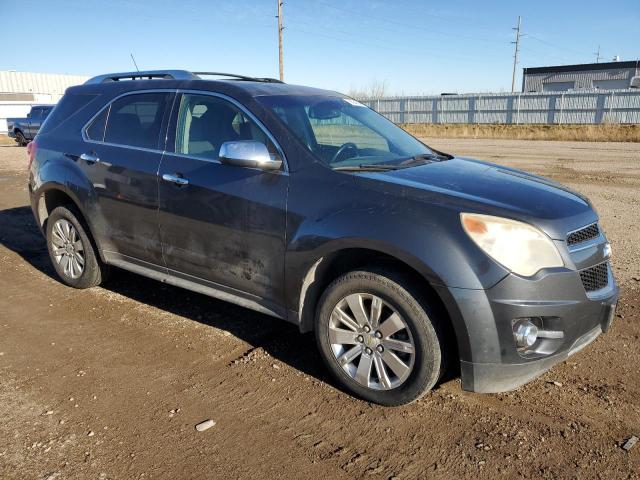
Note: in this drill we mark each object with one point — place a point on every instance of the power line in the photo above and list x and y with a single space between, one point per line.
554 45
409 25
351 41
515 55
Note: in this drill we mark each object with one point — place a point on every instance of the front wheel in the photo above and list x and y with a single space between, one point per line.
20 139
378 340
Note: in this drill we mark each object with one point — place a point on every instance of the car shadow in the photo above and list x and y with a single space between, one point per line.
281 340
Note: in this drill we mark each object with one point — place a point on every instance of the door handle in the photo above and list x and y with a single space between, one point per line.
89 158
175 179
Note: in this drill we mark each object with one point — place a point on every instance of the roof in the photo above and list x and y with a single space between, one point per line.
582 67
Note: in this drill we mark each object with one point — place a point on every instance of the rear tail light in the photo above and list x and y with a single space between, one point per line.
31 151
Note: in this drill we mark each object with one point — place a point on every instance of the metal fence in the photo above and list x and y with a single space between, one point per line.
613 106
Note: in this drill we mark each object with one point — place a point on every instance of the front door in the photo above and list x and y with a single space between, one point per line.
123 149
35 120
221 224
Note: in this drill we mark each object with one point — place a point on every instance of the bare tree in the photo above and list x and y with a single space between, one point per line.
375 90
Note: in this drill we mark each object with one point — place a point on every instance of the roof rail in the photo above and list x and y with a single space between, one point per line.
144 75
169 75
239 77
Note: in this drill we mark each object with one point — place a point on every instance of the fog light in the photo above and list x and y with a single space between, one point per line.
525 333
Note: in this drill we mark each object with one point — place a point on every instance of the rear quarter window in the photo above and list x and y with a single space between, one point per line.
95 131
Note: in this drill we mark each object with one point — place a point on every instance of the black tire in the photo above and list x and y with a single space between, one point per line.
20 139
419 318
93 271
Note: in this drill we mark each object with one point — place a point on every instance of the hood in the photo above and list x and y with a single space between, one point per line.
474 186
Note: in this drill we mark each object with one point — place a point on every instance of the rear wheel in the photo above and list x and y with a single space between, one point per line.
378 340
72 253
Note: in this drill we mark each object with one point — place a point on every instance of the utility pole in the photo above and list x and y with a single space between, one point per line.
598 55
515 55
280 28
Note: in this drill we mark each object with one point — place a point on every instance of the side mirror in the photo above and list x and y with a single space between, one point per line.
248 153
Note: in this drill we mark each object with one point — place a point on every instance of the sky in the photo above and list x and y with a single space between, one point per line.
412 46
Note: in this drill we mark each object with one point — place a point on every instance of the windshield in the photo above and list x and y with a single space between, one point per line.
344 133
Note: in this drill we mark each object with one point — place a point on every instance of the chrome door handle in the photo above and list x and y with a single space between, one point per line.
89 157
175 179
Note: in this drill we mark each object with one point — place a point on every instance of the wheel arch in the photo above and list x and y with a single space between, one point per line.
337 262
53 195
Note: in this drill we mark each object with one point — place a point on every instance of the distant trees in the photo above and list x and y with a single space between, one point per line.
374 90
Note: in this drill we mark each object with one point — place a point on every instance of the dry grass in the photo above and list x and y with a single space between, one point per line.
580 133
334 135
5 140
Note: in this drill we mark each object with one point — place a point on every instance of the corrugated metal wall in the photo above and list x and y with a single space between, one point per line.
20 90
615 106
536 82
47 83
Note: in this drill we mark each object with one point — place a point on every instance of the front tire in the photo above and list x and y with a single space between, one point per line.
20 139
71 250
379 339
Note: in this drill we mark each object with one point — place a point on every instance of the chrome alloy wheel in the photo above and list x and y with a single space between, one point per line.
67 248
371 341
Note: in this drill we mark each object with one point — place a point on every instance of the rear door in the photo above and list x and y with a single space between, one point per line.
221 224
124 145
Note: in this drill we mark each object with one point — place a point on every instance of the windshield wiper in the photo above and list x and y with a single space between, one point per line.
420 159
365 167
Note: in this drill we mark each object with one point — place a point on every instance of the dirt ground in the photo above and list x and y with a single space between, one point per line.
108 383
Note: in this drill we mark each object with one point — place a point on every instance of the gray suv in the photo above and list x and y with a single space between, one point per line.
306 205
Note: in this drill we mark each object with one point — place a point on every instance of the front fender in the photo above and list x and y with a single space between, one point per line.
431 242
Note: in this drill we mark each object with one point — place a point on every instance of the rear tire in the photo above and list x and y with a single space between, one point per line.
378 338
72 252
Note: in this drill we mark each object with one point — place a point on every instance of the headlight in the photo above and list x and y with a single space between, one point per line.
517 246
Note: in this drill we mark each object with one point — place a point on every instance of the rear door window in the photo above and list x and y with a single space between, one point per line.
136 120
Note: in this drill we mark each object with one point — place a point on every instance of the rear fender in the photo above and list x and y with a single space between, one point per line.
65 176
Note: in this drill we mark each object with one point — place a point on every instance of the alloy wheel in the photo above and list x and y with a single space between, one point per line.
67 248
371 341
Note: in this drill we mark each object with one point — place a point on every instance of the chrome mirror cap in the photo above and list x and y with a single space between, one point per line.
248 153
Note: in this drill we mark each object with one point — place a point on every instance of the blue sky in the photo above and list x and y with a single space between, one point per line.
414 46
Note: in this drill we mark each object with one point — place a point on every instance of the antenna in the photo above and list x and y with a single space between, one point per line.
134 62
597 54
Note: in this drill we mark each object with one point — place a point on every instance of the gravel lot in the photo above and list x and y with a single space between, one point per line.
110 382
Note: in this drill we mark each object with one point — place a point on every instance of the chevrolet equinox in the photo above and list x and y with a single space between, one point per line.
308 206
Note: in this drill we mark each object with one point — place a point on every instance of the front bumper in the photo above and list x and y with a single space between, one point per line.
489 359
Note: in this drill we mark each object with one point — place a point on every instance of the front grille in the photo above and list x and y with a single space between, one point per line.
595 278
584 234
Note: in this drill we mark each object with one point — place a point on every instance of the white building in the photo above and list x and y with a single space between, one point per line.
20 90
